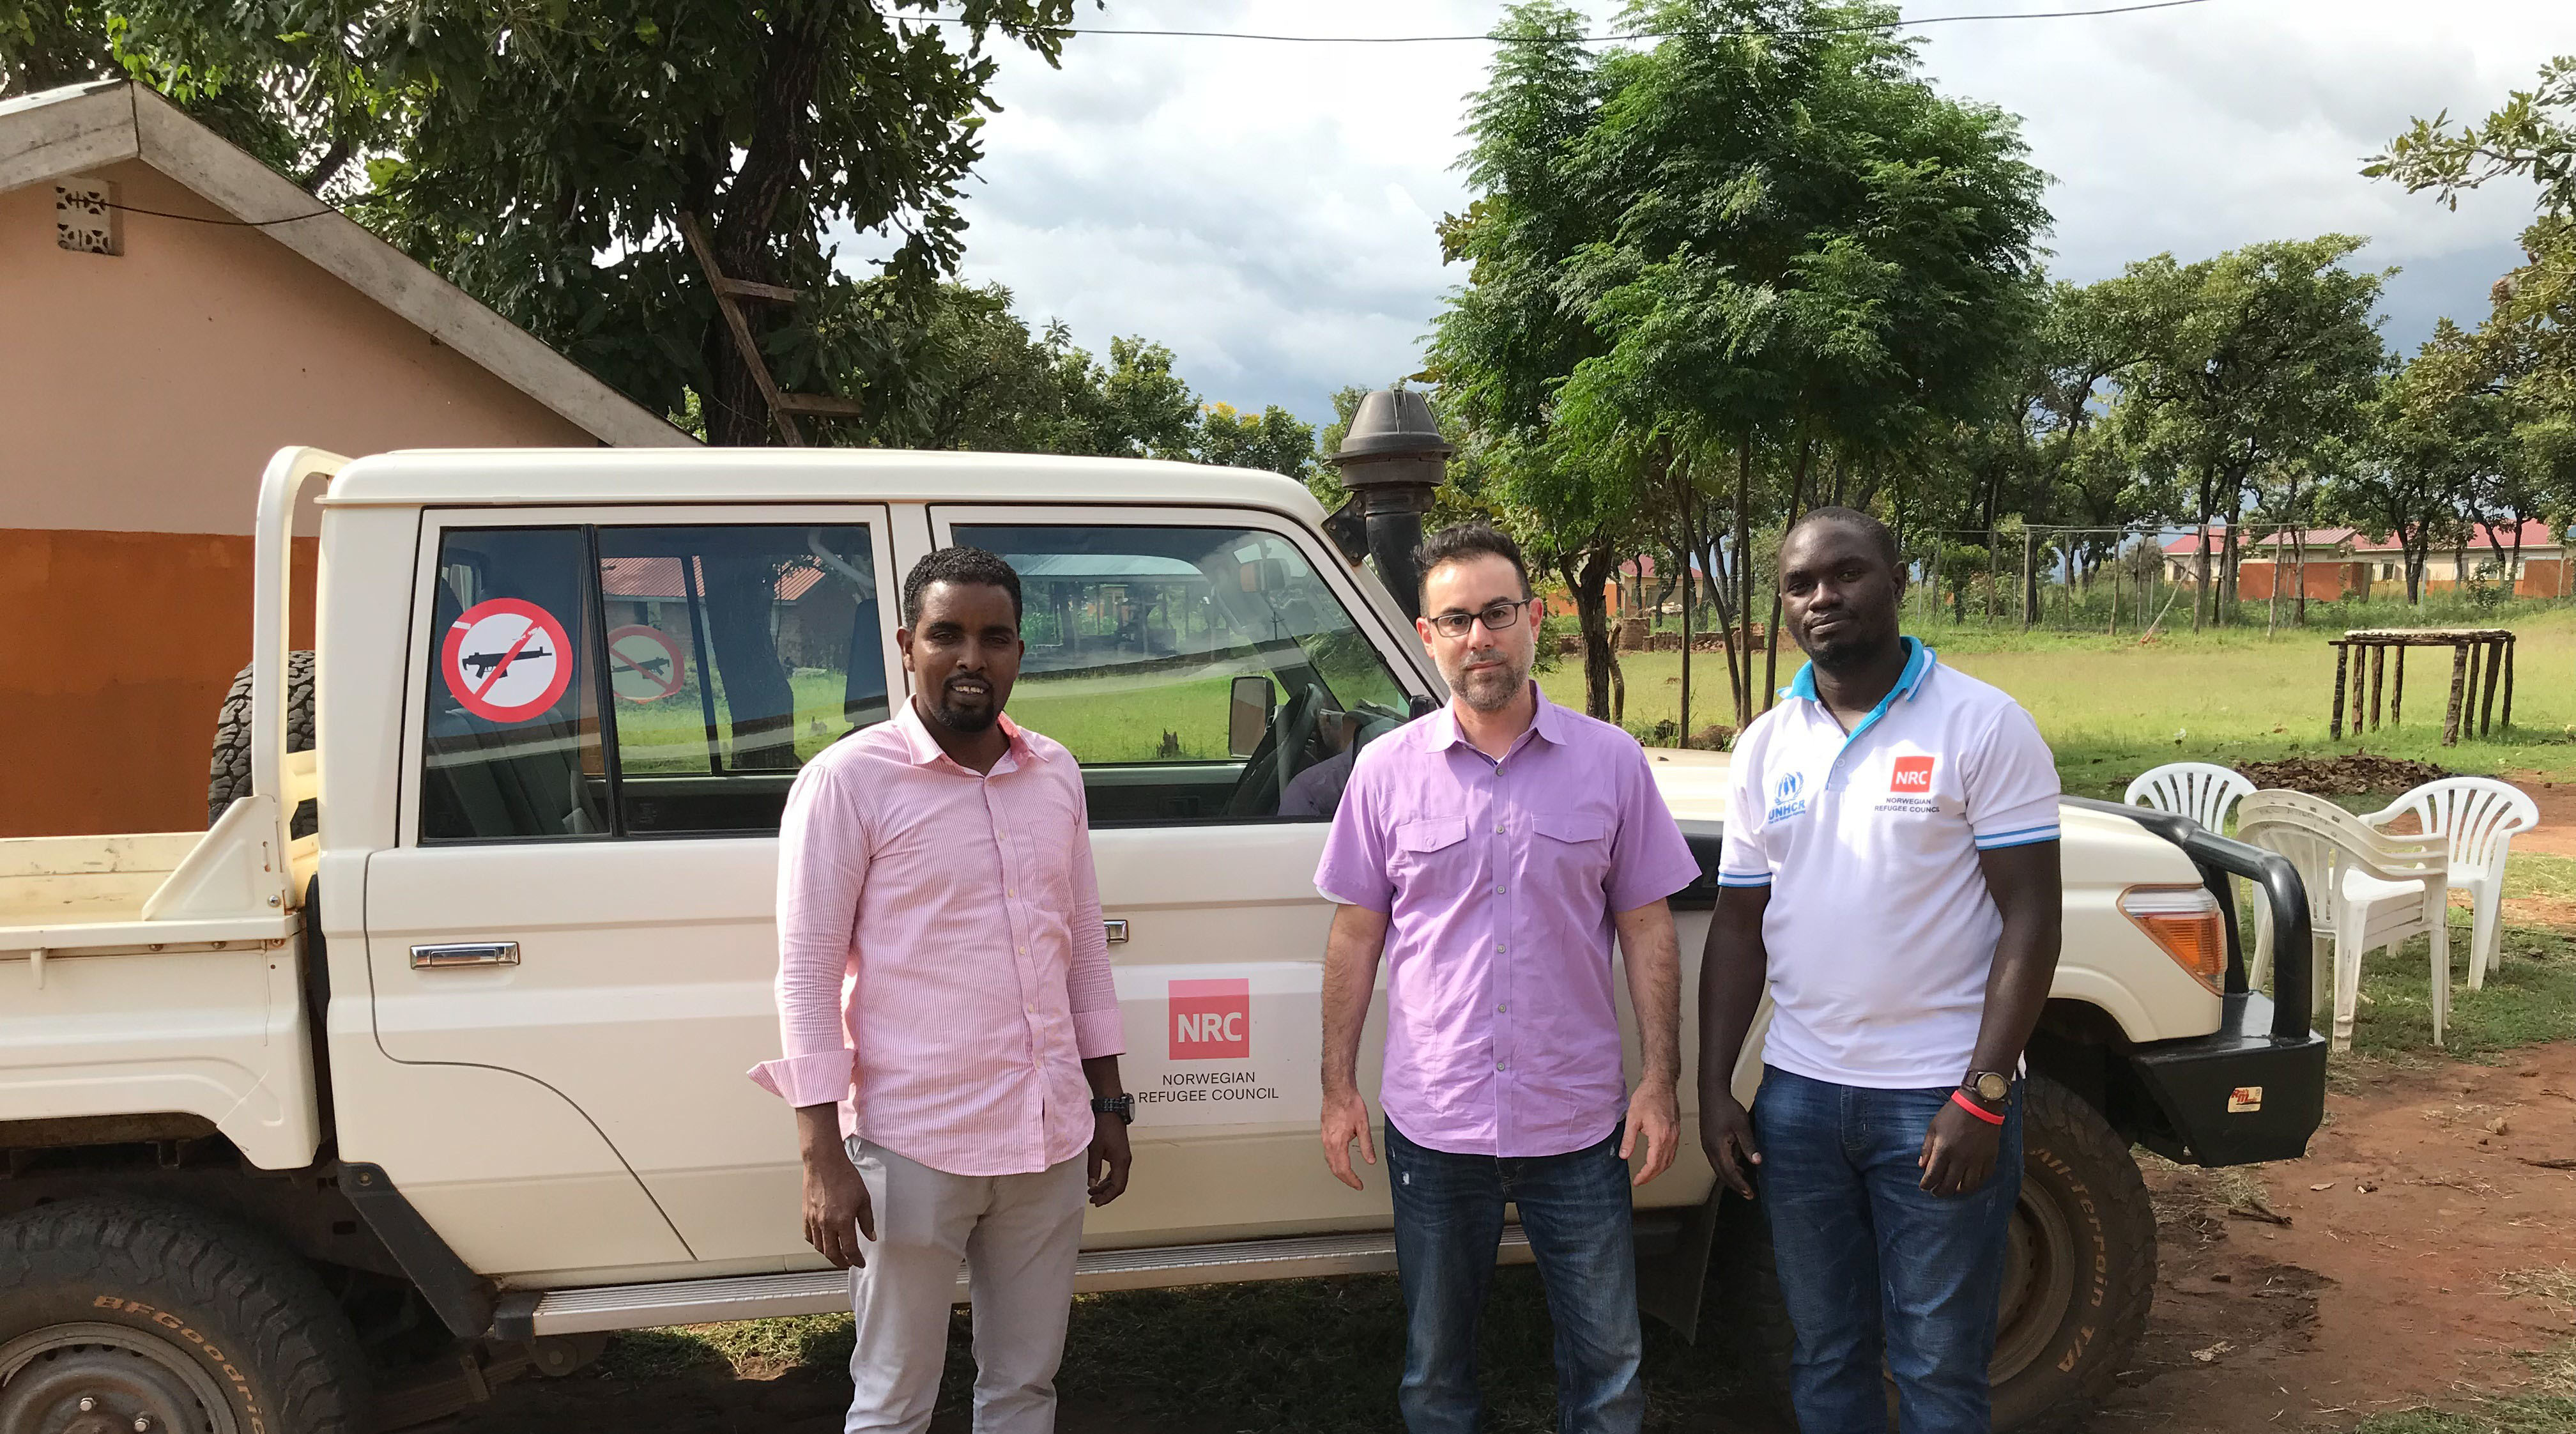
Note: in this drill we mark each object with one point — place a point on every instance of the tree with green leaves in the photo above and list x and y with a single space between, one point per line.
2251 359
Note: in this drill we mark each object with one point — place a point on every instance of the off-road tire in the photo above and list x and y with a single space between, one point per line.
2081 1278
136 1281
228 776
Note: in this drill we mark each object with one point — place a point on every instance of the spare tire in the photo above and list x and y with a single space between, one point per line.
228 776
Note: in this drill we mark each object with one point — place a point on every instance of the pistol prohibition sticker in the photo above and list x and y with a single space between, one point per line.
506 660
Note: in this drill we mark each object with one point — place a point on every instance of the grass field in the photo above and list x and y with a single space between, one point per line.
2113 707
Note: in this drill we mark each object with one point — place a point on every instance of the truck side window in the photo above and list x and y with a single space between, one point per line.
735 653
511 735
1146 642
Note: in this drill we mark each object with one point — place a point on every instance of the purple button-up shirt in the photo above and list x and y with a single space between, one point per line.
1499 880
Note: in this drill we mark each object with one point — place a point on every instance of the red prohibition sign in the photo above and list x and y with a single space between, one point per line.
506 660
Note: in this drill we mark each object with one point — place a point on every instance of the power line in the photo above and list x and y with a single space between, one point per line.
229 223
1496 38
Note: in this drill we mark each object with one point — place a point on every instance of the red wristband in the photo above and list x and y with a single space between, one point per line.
1960 1099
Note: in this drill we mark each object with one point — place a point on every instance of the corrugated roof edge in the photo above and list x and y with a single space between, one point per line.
526 477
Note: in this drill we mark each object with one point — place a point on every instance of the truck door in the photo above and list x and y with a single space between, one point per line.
606 711
1215 674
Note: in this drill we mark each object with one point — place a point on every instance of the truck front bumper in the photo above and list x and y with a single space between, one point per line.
2241 1094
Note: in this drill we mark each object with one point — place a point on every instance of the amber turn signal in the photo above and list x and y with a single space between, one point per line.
2184 923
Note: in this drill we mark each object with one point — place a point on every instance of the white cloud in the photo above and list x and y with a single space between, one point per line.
1267 209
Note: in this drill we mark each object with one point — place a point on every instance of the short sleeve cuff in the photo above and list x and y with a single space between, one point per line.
1333 888
1744 878
1634 892
2022 825
823 1078
1099 1033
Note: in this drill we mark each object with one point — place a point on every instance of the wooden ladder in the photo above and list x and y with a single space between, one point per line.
730 294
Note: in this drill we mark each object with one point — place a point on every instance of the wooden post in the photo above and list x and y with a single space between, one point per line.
2397 698
2509 644
2343 659
2029 580
2486 704
2459 677
2378 681
2469 700
2360 683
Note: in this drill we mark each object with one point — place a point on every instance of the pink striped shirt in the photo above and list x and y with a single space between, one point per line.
942 969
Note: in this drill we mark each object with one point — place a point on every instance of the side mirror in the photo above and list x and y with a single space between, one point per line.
1247 720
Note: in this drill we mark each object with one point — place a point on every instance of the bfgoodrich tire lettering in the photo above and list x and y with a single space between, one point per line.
147 1304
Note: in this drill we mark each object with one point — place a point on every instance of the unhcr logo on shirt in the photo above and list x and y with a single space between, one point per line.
1786 798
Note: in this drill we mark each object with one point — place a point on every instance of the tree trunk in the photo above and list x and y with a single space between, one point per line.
1592 619
2200 559
1744 570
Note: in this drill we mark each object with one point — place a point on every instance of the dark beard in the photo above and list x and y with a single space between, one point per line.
965 724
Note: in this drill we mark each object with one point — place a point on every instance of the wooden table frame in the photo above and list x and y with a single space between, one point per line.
2472 649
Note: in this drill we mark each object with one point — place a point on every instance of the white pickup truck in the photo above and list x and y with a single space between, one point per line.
426 1063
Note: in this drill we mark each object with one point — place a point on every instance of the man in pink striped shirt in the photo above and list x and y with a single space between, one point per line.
950 1031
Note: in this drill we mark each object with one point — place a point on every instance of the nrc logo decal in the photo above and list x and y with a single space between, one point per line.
1912 776
1211 1020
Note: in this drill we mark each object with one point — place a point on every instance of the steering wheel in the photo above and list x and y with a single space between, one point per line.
1267 772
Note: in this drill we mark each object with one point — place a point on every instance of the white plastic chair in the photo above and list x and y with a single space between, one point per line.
2201 791
2366 889
2478 817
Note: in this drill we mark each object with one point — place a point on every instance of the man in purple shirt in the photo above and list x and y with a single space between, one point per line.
1486 853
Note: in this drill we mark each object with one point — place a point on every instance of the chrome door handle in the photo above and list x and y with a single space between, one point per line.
1116 927
465 953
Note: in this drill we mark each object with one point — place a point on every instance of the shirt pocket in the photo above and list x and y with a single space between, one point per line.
1428 845
1574 849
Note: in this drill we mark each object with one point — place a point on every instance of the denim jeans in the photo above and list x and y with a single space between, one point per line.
1871 1266
1449 1223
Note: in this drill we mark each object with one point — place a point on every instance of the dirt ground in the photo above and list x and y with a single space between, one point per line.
2385 1286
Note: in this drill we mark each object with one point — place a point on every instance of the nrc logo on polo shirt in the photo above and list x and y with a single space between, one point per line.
1911 776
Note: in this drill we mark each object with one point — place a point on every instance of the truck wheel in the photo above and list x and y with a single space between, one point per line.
127 1315
228 777
2080 1271
2079 1274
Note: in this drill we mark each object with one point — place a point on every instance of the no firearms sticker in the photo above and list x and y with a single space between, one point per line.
506 660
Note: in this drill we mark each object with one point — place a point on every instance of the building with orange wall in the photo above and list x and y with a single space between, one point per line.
163 337
2344 562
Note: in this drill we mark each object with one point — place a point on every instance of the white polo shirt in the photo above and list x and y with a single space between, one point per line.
1880 929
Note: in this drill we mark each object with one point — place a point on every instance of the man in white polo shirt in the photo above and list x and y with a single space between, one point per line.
1890 864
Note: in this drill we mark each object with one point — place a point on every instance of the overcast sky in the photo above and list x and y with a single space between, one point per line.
1267 209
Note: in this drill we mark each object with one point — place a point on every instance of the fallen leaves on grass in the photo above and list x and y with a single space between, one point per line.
2351 775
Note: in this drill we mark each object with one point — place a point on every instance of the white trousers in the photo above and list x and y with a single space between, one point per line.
1017 1235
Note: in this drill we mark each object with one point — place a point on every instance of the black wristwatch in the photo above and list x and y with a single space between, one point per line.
1988 1088
1121 1106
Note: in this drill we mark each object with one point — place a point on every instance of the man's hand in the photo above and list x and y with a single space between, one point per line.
1655 1118
1346 1118
837 1209
1108 1161
1958 1152
1726 1133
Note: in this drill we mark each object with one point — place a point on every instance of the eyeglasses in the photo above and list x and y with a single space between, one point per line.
1496 618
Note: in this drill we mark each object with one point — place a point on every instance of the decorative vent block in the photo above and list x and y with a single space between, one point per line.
84 221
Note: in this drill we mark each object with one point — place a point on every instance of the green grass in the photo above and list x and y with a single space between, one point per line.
2113 707
2531 1000
2513 1414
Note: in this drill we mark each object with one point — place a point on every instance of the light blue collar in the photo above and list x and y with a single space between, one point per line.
1918 665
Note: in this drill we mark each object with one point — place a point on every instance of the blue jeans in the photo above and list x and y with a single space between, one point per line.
1448 1225
1873 1267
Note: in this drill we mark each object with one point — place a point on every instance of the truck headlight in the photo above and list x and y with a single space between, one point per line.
2184 923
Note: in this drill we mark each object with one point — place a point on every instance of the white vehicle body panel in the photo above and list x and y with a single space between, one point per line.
583 1117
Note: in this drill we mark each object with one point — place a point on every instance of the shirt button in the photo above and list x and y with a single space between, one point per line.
1498 891
1010 891
1502 1065
1498 946
1033 1010
1504 1009
1498 826
1024 951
